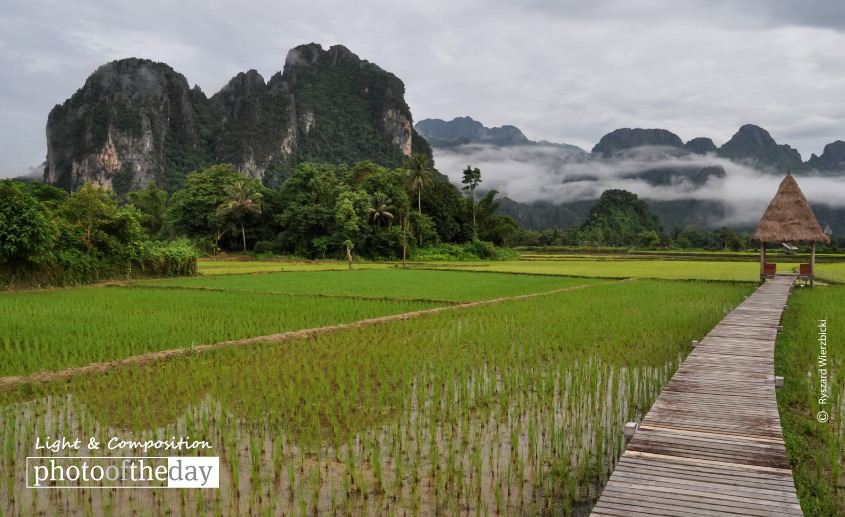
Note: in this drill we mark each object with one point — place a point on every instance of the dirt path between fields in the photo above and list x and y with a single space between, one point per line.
13 381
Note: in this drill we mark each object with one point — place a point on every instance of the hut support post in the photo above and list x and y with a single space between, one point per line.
813 264
762 261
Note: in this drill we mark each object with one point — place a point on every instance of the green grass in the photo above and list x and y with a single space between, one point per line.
527 396
388 283
816 450
831 272
669 269
229 267
73 327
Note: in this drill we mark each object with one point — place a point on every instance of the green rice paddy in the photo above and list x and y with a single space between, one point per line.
387 283
512 407
509 408
229 267
664 269
49 330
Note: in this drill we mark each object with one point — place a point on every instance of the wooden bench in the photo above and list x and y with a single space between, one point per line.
768 272
805 272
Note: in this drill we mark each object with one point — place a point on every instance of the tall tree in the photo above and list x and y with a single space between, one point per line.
405 223
346 218
419 175
192 210
26 231
472 178
151 202
242 200
89 207
380 207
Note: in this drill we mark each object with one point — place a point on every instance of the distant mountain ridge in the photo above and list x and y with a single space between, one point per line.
751 145
465 130
677 165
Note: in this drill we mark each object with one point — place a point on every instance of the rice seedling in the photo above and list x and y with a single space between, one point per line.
590 267
229 267
391 283
834 272
63 328
463 411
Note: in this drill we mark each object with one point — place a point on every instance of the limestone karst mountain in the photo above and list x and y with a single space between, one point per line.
136 120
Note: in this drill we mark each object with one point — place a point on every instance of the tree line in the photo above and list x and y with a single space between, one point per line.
320 211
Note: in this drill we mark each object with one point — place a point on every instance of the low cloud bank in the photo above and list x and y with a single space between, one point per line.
534 173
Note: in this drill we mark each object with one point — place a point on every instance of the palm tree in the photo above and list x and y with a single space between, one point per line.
380 205
405 222
418 175
242 200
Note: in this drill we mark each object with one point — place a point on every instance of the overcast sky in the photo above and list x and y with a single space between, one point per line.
563 71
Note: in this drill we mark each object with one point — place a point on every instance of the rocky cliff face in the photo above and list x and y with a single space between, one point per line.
135 120
120 128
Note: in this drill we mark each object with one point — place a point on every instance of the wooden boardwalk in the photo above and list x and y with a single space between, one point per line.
712 442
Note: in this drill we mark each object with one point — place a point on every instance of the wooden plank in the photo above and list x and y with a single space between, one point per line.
712 442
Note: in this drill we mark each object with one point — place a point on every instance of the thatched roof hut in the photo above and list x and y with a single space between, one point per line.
789 217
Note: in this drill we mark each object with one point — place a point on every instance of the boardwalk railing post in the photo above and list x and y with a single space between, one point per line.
778 381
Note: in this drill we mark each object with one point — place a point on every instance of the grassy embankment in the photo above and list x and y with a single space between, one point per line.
816 449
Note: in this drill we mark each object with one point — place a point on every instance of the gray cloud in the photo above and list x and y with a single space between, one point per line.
562 71
530 173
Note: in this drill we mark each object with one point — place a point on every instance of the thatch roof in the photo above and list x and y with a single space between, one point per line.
789 217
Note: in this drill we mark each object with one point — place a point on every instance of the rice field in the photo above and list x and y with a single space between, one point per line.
831 272
509 408
387 283
662 269
514 407
48 330
229 267
816 449
734 267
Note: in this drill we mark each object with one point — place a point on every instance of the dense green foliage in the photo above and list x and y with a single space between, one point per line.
619 218
193 210
322 207
26 232
816 449
348 127
49 238
151 202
